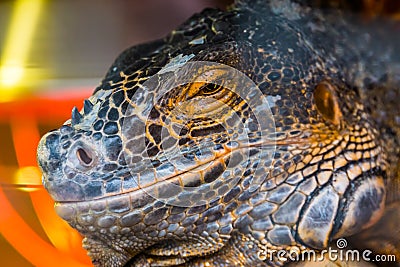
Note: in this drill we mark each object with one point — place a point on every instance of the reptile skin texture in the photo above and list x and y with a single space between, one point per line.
269 126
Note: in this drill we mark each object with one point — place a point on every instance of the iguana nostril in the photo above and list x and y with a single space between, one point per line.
84 157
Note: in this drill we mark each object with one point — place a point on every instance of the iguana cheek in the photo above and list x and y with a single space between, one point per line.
365 207
335 213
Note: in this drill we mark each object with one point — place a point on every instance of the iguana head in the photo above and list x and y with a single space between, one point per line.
235 122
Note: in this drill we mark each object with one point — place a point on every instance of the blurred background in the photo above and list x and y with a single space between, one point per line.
52 56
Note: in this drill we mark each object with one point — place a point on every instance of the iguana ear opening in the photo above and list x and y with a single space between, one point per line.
327 103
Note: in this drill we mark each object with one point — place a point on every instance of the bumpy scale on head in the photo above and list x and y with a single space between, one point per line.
115 168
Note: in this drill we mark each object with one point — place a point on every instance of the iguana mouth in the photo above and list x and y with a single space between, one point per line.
190 178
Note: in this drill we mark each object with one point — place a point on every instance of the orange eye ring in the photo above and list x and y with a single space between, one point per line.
327 102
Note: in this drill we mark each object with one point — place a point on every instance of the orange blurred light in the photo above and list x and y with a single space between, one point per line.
27 242
26 138
27 178
23 116
55 108
61 235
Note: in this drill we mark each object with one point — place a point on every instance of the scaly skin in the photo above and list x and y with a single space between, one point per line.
178 160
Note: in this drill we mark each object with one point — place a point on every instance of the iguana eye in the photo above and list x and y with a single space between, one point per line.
327 102
200 89
209 89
